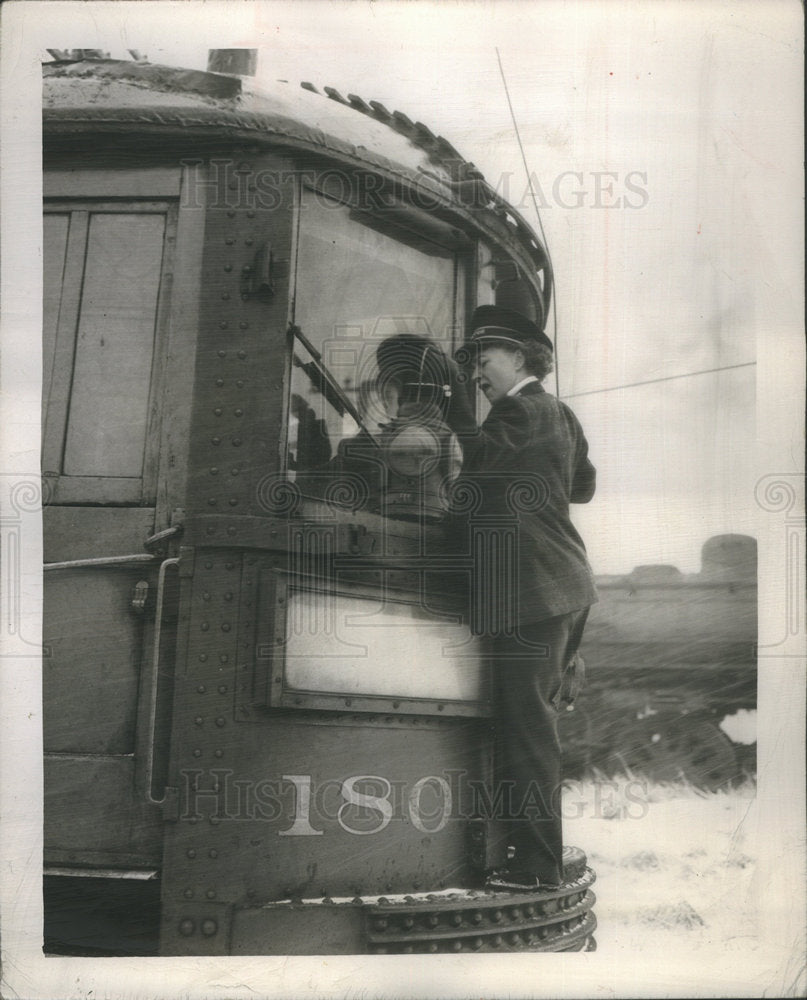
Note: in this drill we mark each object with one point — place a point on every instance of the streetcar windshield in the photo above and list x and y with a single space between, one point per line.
360 284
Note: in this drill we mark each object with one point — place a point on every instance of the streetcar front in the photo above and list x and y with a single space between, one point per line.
262 693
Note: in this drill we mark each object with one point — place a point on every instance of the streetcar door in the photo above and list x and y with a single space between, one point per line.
108 265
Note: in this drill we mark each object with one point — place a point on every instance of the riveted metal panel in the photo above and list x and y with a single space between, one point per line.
202 726
358 534
238 797
297 929
241 355
450 922
268 810
196 926
277 812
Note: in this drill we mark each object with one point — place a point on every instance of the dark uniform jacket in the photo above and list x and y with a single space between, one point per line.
521 470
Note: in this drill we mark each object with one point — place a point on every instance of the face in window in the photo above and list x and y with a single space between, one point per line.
497 369
390 392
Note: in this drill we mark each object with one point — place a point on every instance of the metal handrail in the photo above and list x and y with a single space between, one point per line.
137 559
155 667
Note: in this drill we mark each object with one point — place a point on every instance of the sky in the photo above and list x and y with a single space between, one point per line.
664 145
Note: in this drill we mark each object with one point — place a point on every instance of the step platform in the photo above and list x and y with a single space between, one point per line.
450 921
559 919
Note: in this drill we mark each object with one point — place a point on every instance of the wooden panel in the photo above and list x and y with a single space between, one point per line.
90 532
91 666
117 183
96 489
54 252
115 344
61 373
92 810
129 479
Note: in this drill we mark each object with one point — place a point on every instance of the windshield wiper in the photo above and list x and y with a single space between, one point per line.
325 383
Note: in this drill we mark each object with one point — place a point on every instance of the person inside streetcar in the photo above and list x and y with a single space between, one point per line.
409 467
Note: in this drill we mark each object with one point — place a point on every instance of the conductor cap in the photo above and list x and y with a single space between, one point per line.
496 324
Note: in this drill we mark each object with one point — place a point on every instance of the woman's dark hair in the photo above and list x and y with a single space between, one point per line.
417 364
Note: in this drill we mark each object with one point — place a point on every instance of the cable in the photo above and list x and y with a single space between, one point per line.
540 224
666 378
420 372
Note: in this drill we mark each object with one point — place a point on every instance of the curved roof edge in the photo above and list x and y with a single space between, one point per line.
117 95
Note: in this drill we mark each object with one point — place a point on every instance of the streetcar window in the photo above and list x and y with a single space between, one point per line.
103 270
370 650
424 655
357 284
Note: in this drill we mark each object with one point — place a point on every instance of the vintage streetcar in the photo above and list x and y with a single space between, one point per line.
266 723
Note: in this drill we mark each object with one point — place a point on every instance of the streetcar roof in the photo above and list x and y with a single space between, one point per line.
100 95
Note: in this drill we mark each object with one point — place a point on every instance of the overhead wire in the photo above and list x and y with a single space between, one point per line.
664 378
589 392
540 224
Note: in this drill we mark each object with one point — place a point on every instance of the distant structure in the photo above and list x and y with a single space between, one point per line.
729 558
668 657
656 573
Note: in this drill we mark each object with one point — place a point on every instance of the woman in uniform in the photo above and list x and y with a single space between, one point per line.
532 585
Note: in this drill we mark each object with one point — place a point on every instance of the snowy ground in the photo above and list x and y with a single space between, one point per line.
677 871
